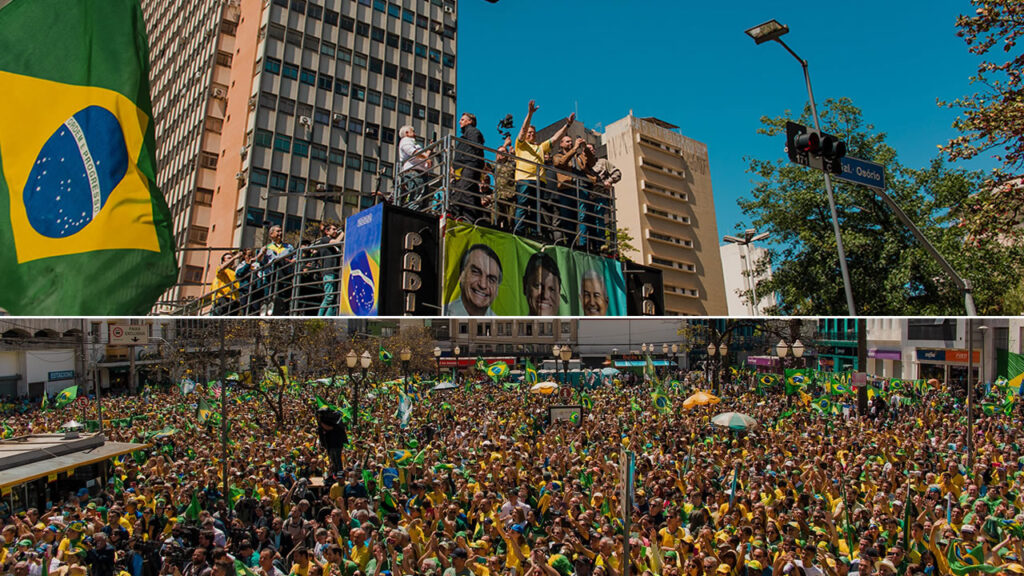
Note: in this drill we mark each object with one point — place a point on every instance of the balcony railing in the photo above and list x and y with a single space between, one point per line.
454 178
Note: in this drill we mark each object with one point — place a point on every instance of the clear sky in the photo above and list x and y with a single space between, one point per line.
690 63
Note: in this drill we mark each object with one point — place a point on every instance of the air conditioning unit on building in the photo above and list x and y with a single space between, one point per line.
218 93
439 28
321 187
338 117
449 10
252 103
240 176
305 120
243 151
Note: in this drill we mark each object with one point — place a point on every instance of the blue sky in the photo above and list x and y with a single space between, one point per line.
691 64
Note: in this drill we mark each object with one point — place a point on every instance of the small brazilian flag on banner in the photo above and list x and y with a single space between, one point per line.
84 228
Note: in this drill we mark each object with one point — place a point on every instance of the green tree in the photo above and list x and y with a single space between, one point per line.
890 273
993 117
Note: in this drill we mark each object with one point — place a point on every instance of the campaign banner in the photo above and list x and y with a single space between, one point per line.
491 273
360 272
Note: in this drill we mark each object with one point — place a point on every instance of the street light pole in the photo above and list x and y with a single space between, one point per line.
750 236
772 30
970 396
437 359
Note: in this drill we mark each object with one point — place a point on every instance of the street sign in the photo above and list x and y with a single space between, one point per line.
129 335
863 172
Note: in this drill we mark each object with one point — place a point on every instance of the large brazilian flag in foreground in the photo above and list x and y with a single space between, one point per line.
83 228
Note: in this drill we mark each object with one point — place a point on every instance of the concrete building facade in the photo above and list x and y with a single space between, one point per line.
737 261
286 112
665 201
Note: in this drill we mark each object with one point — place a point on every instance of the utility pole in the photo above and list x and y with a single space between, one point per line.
970 395
223 414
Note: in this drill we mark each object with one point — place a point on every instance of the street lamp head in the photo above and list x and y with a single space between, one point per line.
798 348
437 351
768 31
350 359
781 349
664 348
457 351
566 353
365 360
675 348
712 350
723 349
556 351
759 237
644 347
405 354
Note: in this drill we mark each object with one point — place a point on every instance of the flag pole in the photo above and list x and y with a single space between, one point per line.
223 413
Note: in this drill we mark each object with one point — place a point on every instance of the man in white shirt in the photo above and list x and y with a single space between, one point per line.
415 165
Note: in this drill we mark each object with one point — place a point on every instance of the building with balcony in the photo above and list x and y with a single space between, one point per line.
285 112
665 202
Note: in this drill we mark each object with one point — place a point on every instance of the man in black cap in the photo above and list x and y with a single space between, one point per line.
332 435
458 566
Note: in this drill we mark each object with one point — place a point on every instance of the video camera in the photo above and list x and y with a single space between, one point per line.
505 126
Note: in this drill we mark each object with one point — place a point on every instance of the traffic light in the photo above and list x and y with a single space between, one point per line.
819 150
832 151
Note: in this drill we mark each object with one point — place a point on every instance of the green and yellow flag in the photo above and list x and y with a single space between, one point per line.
85 229
531 372
65 397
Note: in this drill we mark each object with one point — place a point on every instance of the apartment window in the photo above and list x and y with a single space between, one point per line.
435 56
223 59
290 71
318 152
447 121
272 65
565 328
355 125
388 101
433 116
420 80
299 6
321 116
387 168
407 45
259 177
390 70
341 87
336 157
377 34
380 5
404 107
315 11
307 77
327 49
422 21
286 106
448 60
373 97
463 328
369 165
208 160
297 185
347 23
376 65
419 111
193 274
293 37
344 55
311 42
405 75
282 143
268 100
362 29
278 180
276 31
300 148
354 161
204 197
393 40
409 16
359 60
434 85
358 93
214 124
330 17
197 234
228 27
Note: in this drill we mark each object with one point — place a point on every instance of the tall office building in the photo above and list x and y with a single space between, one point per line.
286 111
664 199
738 262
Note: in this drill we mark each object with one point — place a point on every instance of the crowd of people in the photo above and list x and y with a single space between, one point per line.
478 481
261 282
531 189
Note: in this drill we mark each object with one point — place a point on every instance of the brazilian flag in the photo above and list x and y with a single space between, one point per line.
531 373
384 356
65 397
497 371
84 228
796 379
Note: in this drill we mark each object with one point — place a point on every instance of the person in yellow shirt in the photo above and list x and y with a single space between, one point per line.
300 562
530 172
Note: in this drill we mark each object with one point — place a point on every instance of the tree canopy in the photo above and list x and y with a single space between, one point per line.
890 273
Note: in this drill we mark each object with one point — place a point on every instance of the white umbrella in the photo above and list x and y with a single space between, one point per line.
545 388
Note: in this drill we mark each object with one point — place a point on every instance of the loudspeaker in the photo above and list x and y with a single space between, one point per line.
645 291
410 263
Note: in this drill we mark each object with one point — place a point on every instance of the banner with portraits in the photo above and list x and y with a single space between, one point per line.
491 273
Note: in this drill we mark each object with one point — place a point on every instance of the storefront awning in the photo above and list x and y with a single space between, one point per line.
26 473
